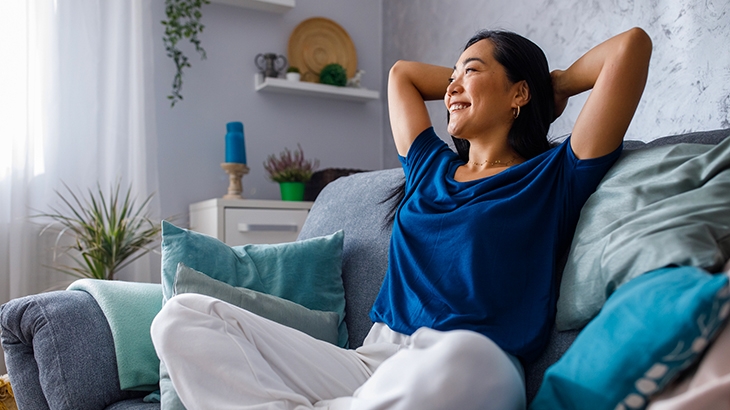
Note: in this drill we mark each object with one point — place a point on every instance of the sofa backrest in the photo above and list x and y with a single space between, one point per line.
355 205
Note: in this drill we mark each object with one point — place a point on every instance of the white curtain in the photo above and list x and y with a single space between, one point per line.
75 107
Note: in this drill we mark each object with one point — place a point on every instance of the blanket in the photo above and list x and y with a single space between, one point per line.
129 308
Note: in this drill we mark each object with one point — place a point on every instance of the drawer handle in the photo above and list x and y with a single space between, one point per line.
267 228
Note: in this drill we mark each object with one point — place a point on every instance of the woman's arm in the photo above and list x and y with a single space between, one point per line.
409 85
616 70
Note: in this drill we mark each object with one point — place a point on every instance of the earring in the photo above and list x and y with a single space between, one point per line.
516 112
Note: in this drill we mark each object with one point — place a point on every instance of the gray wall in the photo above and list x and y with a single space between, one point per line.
689 81
220 89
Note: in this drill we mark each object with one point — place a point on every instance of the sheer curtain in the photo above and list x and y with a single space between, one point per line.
75 107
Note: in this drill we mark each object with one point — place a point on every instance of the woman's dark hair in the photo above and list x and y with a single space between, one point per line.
522 60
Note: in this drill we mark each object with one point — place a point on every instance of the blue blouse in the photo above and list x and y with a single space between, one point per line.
482 255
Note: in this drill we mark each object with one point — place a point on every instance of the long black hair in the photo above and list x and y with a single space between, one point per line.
522 60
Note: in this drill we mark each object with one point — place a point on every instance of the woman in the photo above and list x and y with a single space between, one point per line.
470 291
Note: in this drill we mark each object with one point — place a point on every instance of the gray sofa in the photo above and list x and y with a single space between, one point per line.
58 345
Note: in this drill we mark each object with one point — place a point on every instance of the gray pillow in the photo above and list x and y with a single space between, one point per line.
655 207
318 324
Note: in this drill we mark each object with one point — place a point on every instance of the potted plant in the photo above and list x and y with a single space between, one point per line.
108 233
293 74
291 171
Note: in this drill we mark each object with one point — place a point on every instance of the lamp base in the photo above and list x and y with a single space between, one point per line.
235 172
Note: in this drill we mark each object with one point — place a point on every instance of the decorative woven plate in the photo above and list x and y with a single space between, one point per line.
318 41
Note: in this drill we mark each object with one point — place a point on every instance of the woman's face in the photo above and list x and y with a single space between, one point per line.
479 97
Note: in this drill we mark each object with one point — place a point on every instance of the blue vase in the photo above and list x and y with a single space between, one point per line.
235 146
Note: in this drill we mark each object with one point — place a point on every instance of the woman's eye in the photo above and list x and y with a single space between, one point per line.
469 70
451 80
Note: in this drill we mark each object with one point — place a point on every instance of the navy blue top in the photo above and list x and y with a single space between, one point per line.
482 255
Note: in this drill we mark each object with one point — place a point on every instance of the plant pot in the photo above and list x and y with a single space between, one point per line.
292 191
293 76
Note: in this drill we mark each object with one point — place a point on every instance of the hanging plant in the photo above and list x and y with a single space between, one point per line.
183 22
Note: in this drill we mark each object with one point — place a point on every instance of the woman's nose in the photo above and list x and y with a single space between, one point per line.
454 87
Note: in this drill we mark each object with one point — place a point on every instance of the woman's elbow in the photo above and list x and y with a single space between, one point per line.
398 69
639 43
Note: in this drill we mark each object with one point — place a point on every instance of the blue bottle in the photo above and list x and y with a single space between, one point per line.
235 145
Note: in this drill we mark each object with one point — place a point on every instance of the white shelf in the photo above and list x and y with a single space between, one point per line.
273 6
279 85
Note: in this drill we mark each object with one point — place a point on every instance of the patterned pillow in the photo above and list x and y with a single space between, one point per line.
648 331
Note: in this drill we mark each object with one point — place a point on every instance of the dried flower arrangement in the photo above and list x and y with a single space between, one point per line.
290 166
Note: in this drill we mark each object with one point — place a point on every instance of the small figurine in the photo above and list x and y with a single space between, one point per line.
355 81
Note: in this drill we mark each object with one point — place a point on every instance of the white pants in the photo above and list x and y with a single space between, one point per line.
222 357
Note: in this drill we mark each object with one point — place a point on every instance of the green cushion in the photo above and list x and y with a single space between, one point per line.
648 331
655 207
318 324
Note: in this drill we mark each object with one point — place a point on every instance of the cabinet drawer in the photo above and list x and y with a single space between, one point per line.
244 226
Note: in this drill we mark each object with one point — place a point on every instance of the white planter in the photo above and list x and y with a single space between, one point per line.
293 76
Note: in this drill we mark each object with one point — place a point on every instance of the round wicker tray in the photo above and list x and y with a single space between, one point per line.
319 41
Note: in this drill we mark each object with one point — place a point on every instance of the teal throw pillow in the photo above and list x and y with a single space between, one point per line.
307 272
648 331
318 324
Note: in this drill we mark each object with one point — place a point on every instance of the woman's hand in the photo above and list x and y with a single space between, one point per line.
561 98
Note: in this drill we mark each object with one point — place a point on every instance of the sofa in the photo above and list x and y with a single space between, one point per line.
58 345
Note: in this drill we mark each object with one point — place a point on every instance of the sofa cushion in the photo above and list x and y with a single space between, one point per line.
318 324
657 206
305 272
648 331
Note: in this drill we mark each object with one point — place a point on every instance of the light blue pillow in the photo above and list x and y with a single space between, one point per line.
318 324
648 331
307 272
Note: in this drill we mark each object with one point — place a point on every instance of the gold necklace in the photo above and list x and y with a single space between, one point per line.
495 163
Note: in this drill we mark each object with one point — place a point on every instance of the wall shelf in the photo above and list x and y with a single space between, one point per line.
279 85
273 6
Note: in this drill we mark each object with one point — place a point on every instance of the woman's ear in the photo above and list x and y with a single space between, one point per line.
522 93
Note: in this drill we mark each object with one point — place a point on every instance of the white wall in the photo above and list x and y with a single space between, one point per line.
221 89
689 81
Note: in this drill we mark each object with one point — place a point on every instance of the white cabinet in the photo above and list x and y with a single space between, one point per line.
243 221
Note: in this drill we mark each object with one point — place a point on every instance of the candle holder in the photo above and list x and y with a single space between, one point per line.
235 172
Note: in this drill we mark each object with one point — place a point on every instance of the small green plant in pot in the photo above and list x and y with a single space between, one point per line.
293 74
109 232
291 171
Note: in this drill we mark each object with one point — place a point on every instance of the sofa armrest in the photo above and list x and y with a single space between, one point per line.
59 352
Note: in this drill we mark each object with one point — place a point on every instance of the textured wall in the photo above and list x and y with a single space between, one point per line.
689 81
